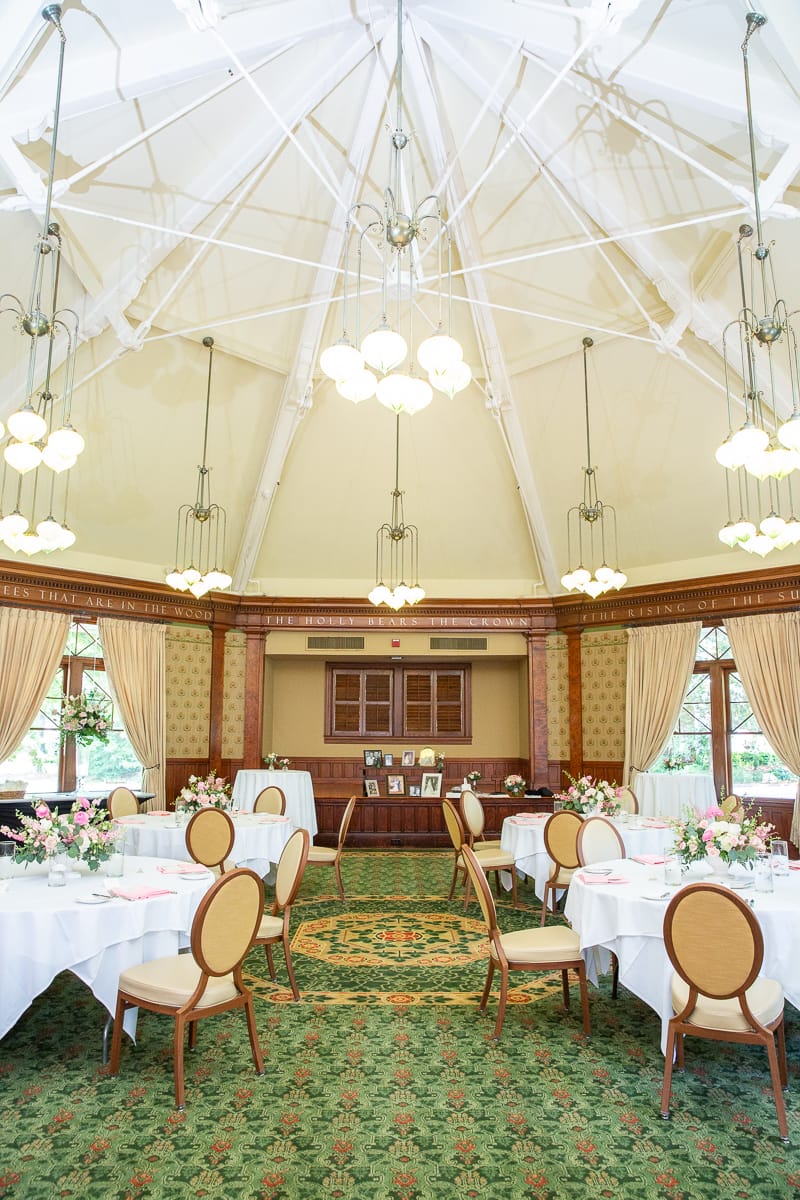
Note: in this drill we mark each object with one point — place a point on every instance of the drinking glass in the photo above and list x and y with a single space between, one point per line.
7 859
763 875
779 853
672 871
558 805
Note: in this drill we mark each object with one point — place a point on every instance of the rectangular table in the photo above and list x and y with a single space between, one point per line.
296 787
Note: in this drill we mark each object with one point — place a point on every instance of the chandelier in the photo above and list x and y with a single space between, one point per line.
40 431
372 365
200 539
396 551
590 520
762 451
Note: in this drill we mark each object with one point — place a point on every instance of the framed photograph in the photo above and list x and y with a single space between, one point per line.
431 783
388 760
371 787
427 757
408 758
373 758
414 789
396 784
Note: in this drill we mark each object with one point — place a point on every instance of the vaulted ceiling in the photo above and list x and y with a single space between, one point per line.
592 160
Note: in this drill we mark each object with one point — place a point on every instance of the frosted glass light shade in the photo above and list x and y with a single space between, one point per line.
26 425
419 396
57 462
581 576
66 442
383 349
66 539
604 574
380 594
191 575
727 454
727 535
772 525
175 580
789 432
415 594
357 387
30 543
749 441
453 380
760 545
15 524
439 353
620 579
567 581
22 456
593 588
394 390
341 361
744 530
49 531
199 587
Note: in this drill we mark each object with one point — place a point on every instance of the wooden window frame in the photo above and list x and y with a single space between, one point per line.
398 731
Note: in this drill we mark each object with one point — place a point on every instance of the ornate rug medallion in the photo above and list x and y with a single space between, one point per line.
392 939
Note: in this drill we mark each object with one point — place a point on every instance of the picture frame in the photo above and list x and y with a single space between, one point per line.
431 783
396 785
372 787
408 758
388 760
427 757
414 789
373 758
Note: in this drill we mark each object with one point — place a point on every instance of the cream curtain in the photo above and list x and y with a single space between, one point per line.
31 646
134 654
766 650
660 663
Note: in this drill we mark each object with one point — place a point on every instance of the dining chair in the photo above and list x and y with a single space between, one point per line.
209 838
331 856
204 982
715 944
599 841
561 843
270 800
274 926
474 820
628 800
122 803
556 948
492 859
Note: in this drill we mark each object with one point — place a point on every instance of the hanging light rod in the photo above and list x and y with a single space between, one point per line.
588 522
763 450
368 366
396 551
202 526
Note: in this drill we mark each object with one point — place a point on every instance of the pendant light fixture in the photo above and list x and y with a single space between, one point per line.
200 540
396 551
41 432
763 450
591 526
371 366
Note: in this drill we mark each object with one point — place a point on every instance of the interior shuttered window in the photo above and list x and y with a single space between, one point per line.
416 702
434 702
361 702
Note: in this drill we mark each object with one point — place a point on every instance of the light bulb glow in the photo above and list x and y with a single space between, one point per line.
55 461
439 353
175 580
66 442
341 361
727 535
26 425
358 386
22 456
452 381
789 433
581 576
15 524
772 525
379 595
383 349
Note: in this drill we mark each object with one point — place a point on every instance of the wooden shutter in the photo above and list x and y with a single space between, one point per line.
361 702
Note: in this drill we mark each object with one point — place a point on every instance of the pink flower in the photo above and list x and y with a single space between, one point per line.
42 810
82 817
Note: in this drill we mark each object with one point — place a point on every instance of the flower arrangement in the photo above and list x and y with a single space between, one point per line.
472 777
87 718
439 762
86 832
676 760
274 762
210 792
515 785
725 831
591 795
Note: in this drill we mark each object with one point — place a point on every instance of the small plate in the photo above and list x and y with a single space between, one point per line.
739 885
92 899
656 895
597 870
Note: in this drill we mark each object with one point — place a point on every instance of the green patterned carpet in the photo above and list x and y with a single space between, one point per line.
383 1084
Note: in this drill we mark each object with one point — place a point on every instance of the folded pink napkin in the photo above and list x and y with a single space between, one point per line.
649 860
184 869
159 812
794 866
268 818
651 823
128 820
139 893
603 878
528 818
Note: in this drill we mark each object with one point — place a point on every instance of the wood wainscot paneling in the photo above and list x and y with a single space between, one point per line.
177 775
340 778
779 814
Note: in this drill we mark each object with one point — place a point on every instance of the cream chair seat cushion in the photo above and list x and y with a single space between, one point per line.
765 998
482 844
322 854
549 944
173 980
564 876
489 859
270 927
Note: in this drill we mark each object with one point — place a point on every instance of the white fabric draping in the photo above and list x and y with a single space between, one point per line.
31 646
660 663
134 656
766 650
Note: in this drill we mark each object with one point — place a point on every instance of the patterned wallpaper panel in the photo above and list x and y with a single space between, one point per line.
188 670
604 657
233 695
557 697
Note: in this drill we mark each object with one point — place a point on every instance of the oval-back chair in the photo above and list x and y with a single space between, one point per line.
209 838
331 856
270 800
561 843
274 926
122 803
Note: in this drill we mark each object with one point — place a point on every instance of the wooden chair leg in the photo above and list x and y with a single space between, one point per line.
487 986
339 884
453 880
193 1034
587 1021
666 1088
255 1046
777 1090
501 1010
177 1059
514 887
544 903
614 976
290 969
116 1039
780 1033
270 963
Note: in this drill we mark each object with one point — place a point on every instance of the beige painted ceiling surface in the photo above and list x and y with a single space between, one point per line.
593 161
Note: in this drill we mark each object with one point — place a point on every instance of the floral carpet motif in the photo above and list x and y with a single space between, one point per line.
379 1086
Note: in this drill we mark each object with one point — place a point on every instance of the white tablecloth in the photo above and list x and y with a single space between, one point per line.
260 839
671 794
296 787
619 918
524 838
46 930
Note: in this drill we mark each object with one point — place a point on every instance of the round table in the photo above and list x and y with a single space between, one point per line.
523 837
260 838
296 787
46 930
671 794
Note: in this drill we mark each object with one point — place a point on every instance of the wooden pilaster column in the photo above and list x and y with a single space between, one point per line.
537 707
575 685
217 695
253 697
